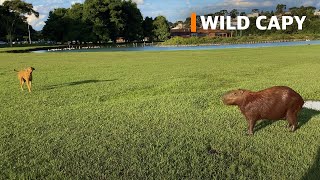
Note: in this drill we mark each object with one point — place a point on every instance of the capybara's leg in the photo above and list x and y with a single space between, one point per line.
251 124
292 119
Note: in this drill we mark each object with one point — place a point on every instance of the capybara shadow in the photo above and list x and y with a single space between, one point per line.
303 117
274 103
75 83
313 172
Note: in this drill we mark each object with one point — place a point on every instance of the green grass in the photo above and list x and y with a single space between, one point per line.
154 115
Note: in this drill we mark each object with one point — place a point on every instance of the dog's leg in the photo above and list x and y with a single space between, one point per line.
28 84
21 84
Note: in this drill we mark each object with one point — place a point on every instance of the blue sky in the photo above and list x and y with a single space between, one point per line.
173 9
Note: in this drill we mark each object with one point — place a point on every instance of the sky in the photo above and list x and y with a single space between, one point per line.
173 10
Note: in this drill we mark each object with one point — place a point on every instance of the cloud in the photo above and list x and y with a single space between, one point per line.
188 3
37 23
139 2
244 4
1 1
76 1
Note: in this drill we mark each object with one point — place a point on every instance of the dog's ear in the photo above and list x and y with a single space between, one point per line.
33 68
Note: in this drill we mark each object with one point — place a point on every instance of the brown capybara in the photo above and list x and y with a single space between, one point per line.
278 102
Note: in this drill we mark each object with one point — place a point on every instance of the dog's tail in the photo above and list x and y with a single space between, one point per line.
15 70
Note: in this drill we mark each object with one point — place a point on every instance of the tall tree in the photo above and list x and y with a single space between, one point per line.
106 18
224 12
234 13
255 10
147 26
243 14
79 29
57 25
161 28
19 9
132 19
280 8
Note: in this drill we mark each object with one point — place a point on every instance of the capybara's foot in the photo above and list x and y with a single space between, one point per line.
293 128
250 133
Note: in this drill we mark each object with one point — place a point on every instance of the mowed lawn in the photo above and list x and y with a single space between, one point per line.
155 115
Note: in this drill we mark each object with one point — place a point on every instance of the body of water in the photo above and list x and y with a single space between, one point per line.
177 48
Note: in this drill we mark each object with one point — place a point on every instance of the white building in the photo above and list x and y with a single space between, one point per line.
317 13
252 15
179 26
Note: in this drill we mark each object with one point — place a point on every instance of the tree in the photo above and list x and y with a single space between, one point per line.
106 18
76 25
234 13
280 8
56 27
132 19
255 10
79 29
147 26
161 28
243 14
223 12
19 9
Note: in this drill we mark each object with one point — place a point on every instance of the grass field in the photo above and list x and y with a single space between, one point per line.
155 115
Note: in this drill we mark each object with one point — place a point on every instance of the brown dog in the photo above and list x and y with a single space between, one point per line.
278 102
25 76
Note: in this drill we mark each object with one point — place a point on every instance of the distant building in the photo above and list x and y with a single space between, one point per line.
120 40
200 33
180 32
252 15
288 13
317 13
179 26
214 33
146 39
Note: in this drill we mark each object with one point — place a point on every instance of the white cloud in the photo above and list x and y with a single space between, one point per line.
188 3
1 1
76 1
139 2
36 23
245 3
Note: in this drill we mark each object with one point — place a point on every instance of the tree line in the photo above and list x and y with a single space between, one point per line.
104 21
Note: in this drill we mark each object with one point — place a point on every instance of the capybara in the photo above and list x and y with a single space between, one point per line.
274 103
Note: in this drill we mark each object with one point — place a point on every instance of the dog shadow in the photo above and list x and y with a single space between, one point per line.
313 172
304 116
76 83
